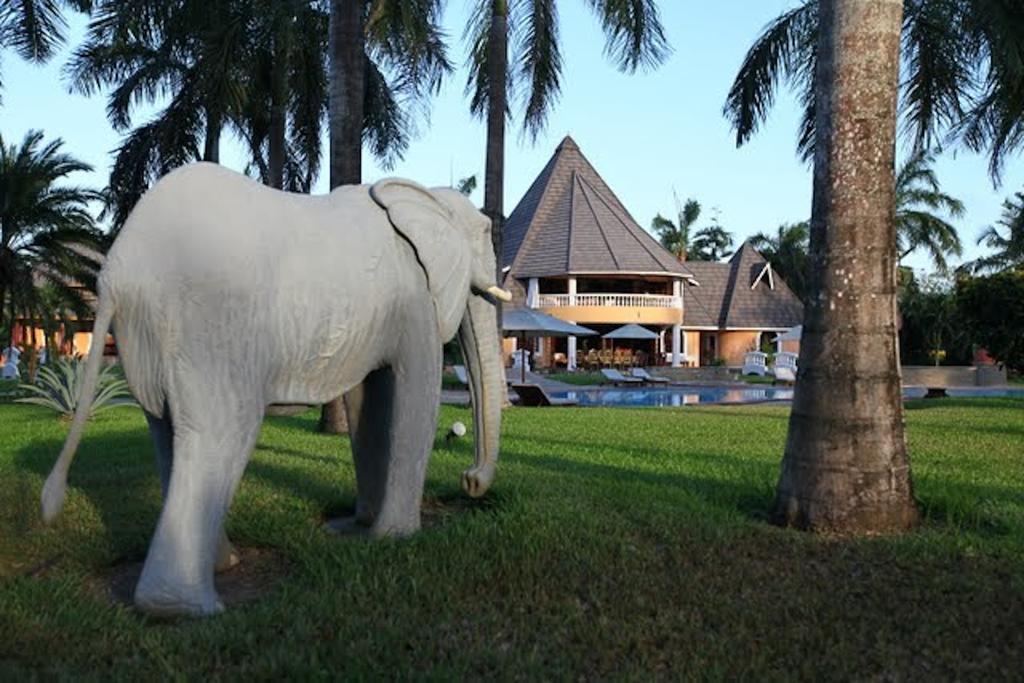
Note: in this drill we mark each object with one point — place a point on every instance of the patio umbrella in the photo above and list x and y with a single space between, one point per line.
631 331
529 322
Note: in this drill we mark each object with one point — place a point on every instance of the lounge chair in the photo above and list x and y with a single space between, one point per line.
784 367
533 396
617 378
754 363
648 377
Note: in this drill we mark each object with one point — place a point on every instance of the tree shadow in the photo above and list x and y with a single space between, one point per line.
975 403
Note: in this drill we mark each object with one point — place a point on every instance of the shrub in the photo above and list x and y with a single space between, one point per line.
59 385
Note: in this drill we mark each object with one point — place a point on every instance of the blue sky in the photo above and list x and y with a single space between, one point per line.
648 134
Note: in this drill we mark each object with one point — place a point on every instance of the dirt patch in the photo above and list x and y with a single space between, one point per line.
259 572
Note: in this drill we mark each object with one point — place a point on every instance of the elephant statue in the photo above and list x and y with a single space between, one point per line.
227 296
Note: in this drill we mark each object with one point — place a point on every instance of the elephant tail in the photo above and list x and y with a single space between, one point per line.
56 484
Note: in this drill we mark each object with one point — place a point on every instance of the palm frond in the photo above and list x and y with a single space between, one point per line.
634 36
784 50
540 62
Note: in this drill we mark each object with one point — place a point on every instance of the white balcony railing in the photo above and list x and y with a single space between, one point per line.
610 300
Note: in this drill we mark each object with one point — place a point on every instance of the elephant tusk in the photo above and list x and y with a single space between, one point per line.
499 293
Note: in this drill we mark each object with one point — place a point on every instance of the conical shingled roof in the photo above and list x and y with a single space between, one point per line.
727 297
570 221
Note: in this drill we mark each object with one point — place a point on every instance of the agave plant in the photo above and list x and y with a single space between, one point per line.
59 387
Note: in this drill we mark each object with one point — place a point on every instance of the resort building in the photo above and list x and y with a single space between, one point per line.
572 250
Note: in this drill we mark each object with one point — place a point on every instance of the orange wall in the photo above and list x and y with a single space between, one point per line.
733 345
692 347
791 346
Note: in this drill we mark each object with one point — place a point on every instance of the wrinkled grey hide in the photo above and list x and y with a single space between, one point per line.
228 296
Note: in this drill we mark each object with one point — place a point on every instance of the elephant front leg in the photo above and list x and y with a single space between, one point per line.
161 429
178 574
410 427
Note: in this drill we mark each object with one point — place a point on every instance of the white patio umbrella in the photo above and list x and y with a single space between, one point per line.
631 331
529 322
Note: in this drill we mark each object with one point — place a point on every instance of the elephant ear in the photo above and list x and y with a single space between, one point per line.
442 249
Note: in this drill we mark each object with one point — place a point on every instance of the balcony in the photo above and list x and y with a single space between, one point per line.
610 308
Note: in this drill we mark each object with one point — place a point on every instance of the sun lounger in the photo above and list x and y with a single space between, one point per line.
533 396
784 368
648 377
617 378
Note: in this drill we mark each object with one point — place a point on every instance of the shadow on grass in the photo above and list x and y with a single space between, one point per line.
976 402
722 494
117 475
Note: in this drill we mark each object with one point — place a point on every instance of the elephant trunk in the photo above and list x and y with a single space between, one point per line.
481 349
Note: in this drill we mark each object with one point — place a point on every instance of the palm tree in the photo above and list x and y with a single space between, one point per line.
193 53
282 117
35 28
918 203
1009 248
366 39
712 243
676 236
964 74
43 225
787 251
634 38
845 467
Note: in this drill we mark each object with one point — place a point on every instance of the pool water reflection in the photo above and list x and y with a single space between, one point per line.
695 395
674 396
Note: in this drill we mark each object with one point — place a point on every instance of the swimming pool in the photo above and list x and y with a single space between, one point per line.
674 396
697 395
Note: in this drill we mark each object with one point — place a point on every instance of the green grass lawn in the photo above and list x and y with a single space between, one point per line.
616 543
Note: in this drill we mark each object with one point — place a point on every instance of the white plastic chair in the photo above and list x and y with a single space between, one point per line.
755 363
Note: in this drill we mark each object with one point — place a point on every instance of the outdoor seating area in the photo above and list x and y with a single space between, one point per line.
621 359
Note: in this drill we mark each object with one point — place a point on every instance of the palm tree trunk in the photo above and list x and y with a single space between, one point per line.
846 468
497 104
347 83
214 124
347 91
278 113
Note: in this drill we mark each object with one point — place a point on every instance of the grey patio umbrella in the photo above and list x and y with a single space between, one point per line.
529 322
631 331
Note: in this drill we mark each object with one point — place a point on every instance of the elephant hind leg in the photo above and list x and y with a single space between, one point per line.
369 416
210 455
161 429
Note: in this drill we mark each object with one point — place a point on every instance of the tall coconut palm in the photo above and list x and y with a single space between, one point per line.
44 222
712 242
370 40
963 73
282 116
845 467
191 54
787 251
919 205
676 236
1008 247
35 29
634 39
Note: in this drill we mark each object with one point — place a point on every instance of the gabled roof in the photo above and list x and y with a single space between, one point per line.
570 221
739 294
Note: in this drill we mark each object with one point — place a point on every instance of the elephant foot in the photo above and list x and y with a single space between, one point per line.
227 556
354 526
166 600
347 526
